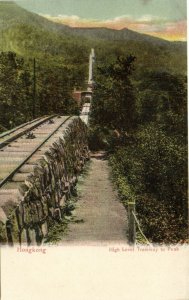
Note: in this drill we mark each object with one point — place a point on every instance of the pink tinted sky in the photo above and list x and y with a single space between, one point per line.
162 18
152 25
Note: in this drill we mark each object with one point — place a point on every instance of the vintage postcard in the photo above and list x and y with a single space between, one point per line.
93 150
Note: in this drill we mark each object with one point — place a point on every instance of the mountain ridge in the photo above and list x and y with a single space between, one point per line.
97 32
29 34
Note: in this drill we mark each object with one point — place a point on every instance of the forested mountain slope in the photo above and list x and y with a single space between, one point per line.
29 34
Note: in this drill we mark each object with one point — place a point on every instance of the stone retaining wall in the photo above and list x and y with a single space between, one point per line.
44 194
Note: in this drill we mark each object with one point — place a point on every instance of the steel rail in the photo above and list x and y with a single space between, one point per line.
13 138
8 132
7 178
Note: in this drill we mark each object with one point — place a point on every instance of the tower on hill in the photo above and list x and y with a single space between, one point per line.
91 67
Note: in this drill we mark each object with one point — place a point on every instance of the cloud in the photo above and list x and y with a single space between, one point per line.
148 24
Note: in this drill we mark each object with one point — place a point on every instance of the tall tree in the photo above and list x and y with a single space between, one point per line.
114 95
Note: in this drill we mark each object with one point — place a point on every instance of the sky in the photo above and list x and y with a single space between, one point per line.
162 18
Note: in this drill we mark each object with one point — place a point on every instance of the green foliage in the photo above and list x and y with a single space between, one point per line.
3 237
114 97
53 90
15 91
62 63
149 154
163 99
56 230
98 138
138 115
160 222
153 167
61 66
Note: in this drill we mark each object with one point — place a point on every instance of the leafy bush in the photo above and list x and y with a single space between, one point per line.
149 170
159 221
97 138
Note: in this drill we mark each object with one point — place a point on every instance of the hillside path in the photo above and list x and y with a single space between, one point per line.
100 214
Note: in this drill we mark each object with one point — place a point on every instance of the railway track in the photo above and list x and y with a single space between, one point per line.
85 113
11 135
20 149
38 174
